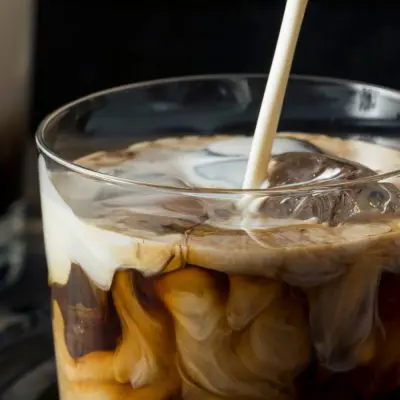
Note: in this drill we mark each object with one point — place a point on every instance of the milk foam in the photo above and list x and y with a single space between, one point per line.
77 223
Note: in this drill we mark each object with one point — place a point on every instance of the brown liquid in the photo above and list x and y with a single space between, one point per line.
103 337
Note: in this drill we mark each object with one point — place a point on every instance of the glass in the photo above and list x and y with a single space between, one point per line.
161 290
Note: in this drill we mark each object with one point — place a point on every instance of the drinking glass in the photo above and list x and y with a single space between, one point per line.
162 289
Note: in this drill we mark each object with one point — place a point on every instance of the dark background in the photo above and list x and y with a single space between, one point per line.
84 46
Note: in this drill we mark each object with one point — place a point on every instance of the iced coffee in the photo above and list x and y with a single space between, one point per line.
167 285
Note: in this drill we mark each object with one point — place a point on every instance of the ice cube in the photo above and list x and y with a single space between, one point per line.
330 205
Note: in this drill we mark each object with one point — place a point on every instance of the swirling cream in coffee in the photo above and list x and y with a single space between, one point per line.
189 295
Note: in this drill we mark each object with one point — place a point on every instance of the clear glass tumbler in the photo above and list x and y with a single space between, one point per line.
166 286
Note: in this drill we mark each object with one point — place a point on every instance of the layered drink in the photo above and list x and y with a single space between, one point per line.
168 282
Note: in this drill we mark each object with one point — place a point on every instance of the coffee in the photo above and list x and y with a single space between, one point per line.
182 291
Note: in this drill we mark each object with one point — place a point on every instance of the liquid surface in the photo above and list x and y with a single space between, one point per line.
220 162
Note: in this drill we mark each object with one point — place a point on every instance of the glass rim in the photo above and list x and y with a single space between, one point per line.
287 189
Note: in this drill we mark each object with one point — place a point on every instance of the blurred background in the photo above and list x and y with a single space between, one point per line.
53 51
86 46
